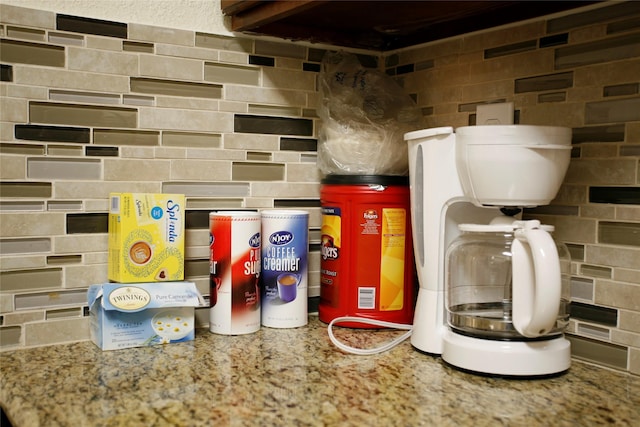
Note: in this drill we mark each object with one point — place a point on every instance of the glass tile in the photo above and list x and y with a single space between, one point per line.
24 33
78 24
613 111
101 151
52 133
543 83
296 203
87 223
621 90
307 66
552 97
574 20
630 150
82 115
404 69
619 233
257 171
593 331
298 144
196 268
129 46
7 206
510 49
554 40
606 50
272 125
175 88
28 149
64 150
599 352
125 137
64 205
273 110
32 53
63 312
64 259
227 73
6 73
576 251
593 313
596 271
212 41
606 133
617 195
213 203
10 336
622 26
315 54
25 189
264 61
581 288
91 97
259 156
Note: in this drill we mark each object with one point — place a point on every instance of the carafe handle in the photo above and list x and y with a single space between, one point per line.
536 280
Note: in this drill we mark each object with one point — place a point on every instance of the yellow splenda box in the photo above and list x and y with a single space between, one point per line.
146 237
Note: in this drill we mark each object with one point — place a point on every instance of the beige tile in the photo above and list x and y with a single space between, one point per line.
31 280
265 95
617 294
129 152
598 211
12 167
209 170
103 43
602 171
170 153
30 92
82 115
230 57
625 338
77 80
634 361
479 92
302 173
6 303
29 17
574 230
23 317
83 276
80 244
13 110
23 262
56 331
627 275
102 61
32 224
296 80
613 256
150 33
209 154
285 190
629 321
60 168
191 139
185 120
186 52
171 68
136 170
85 190
251 141
235 74
628 213
609 73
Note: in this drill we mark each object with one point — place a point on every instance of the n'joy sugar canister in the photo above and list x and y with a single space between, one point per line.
234 269
366 266
285 252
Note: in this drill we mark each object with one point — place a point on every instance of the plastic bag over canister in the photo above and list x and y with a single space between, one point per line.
364 115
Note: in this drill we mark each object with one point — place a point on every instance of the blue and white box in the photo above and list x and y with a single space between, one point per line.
142 314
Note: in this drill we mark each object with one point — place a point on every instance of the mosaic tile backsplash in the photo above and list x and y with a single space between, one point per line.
90 107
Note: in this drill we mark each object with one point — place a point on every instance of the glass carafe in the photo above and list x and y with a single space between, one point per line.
480 281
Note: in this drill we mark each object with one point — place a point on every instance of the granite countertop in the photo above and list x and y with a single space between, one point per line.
294 377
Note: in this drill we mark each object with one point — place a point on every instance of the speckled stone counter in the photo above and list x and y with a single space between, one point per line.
294 377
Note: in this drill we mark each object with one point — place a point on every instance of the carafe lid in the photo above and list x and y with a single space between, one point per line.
487 228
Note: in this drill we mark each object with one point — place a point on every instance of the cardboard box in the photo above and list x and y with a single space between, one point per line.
146 237
142 314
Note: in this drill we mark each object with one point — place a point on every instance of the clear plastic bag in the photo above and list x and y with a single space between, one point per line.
364 115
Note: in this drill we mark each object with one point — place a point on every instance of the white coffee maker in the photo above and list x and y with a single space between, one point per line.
468 177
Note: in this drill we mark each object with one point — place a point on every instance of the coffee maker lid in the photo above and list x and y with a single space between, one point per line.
428 133
487 228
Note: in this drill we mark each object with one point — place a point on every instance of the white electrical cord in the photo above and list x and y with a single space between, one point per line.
368 351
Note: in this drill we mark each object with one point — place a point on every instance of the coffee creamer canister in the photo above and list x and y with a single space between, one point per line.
366 266
234 269
285 252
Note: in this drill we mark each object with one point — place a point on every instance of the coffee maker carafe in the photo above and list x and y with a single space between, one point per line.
470 177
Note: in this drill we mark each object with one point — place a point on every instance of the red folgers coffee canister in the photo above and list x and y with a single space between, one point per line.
234 268
367 265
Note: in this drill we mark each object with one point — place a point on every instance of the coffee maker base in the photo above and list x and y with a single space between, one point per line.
508 358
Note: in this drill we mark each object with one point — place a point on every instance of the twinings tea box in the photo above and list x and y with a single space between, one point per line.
142 314
146 237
